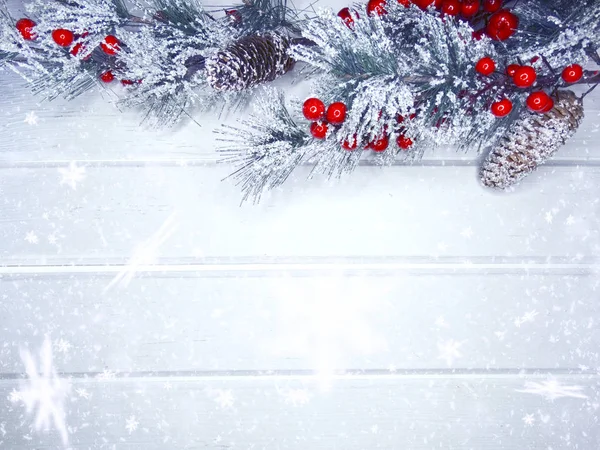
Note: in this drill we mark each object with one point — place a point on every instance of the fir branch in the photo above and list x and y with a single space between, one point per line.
264 16
403 63
187 16
79 16
561 30
268 147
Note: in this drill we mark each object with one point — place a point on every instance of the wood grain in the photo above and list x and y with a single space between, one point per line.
299 413
431 212
313 320
397 308
93 129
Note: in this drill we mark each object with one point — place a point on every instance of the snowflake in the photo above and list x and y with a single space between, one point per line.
31 118
552 389
549 217
72 175
449 351
527 317
500 335
467 233
570 220
529 419
82 393
31 237
131 424
63 346
51 239
44 391
224 398
375 429
168 386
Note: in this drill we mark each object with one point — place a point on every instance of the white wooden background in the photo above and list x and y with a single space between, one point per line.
397 308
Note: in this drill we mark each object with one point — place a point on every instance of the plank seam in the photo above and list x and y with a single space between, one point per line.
525 267
183 162
535 373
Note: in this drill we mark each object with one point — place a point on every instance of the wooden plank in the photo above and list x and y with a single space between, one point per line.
186 214
91 128
321 321
393 412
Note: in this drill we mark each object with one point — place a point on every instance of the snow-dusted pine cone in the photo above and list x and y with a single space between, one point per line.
248 62
532 141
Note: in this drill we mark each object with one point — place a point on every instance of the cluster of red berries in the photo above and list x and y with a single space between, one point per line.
525 77
335 114
465 8
314 110
65 38
501 24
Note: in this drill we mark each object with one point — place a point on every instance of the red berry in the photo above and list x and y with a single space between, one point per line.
451 7
405 3
424 4
379 145
376 7
572 73
313 109
318 129
548 106
234 15
350 144
485 66
502 108
469 8
78 48
63 37
502 25
477 35
336 113
25 27
403 142
492 6
512 69
110 45
346 15
400 118
107 76
537 101
525 76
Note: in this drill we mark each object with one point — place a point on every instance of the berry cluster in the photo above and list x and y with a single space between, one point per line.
314 110
525 77
501 23
335 114
65 38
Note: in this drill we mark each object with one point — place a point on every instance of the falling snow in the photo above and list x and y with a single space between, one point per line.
44 392
399 309
31 118
131 424
450 351
72 175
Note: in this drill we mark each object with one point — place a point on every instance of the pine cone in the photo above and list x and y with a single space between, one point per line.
532 141
248 62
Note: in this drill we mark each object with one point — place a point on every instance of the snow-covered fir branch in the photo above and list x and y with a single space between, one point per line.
403 78
156 48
